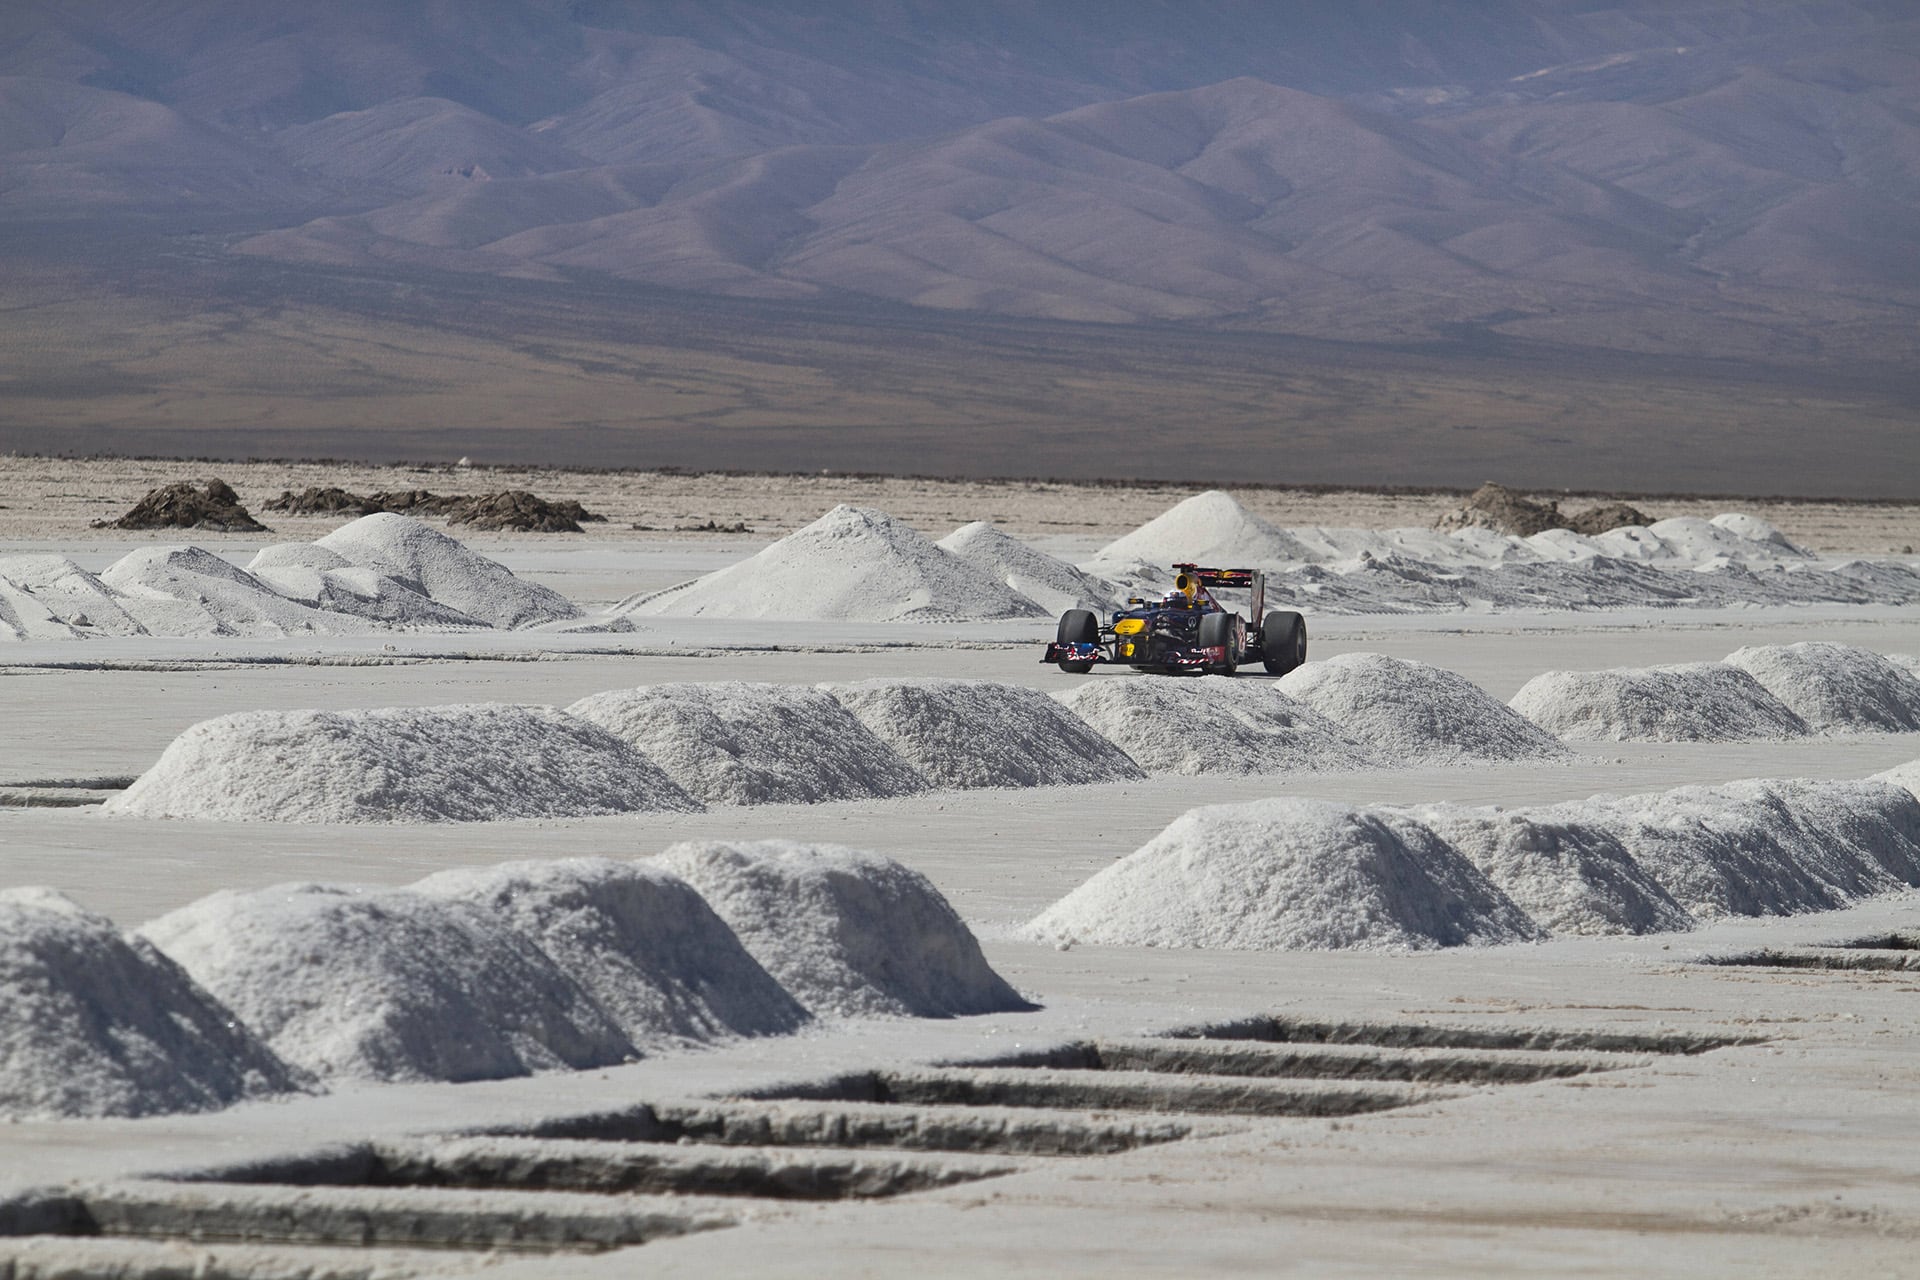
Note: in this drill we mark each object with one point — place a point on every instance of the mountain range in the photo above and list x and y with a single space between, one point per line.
1721 180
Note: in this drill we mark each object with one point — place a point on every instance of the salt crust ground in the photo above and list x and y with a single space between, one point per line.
1836 688
427 764
1214 724
850 934
641 942
976 733
99 1024
1409 711
390 986
854 565
740 743
1310 875
1288 874
1690 702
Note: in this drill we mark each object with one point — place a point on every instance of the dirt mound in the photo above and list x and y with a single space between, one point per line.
1607 517
1570 876
641 942
417 764
315 500
733 742
181 506
1694 702
1288 875
1836 688
851 934
1409 711
973 733
99 1024
521 512
387 985
1213 725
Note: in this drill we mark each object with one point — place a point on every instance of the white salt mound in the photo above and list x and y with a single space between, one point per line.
1212 724
1053 584
98 1024
1836 688
1764 847
1902 775
851 934
732 742
974 733
1409 711
641 942
1696 702
392 985
850 565
1210 529
322 579
50 597
444 570
1288 875
184 591
413 764
1570 876
1754 529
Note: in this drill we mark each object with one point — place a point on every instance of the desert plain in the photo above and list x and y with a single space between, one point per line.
1576 1105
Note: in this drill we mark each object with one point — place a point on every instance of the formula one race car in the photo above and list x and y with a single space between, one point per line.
1187 630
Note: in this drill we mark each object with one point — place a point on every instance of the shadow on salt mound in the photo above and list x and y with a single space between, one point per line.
61 597
732 742
99 1024
312 575
1763 847
391 986
1417 713
850 565
1208 528
1053 584
1568 875
1213 724
444 570
641 942
1836 688
404 764
1288 875
851 934
1695 702
974 733
185 591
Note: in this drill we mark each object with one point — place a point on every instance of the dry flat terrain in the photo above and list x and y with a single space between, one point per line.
58 498
1582 1106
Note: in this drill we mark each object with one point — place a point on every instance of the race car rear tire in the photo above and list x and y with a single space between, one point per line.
1078 626
1217 630
1283 642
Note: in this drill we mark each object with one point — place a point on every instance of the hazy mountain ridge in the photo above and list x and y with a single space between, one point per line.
1734 179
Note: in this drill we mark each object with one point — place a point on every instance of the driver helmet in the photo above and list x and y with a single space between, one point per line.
1174 599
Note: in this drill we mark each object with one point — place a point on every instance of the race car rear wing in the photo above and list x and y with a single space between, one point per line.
1193 577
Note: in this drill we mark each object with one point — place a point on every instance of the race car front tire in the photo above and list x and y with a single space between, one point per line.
1078 626
1217 631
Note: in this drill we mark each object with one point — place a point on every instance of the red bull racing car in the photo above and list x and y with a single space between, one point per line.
1187 630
